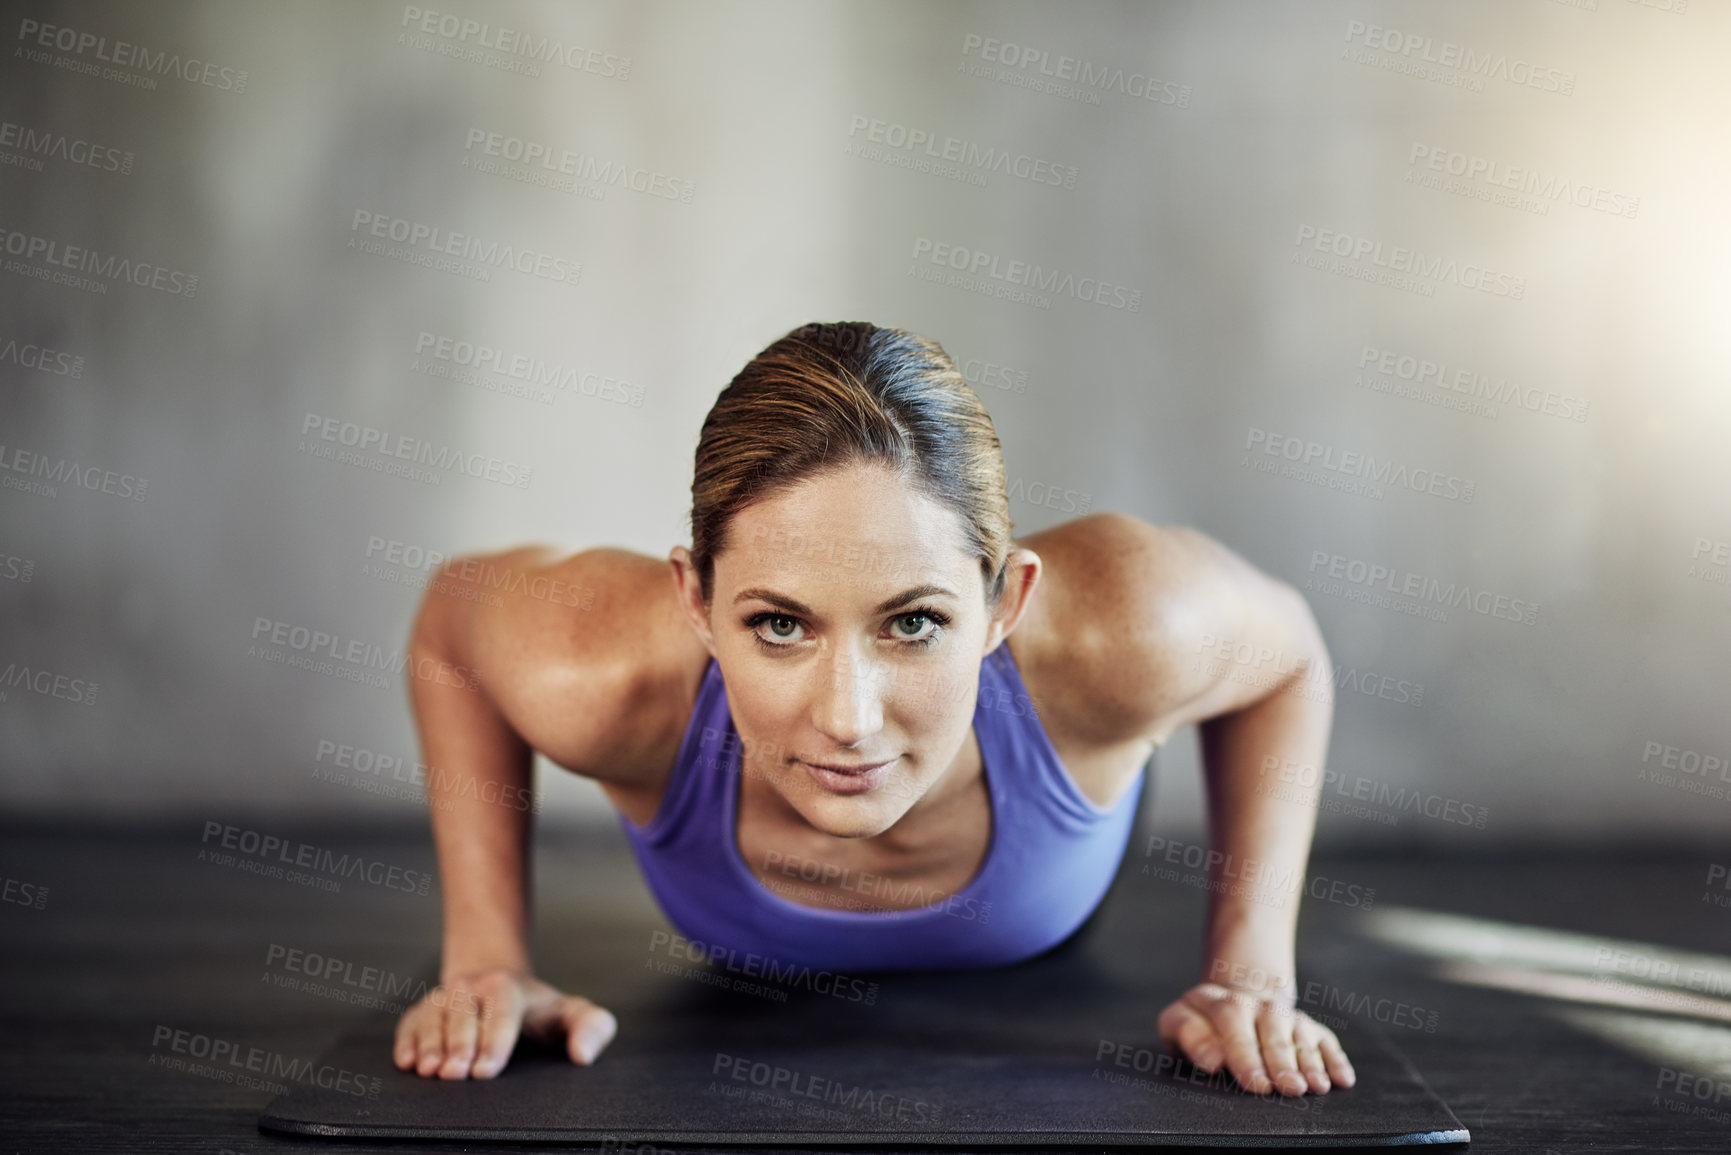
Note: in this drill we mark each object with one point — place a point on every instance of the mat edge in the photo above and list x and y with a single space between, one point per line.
803 1139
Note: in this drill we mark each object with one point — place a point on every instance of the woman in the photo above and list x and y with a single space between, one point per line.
828 678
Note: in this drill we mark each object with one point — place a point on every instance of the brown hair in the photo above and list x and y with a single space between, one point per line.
829 395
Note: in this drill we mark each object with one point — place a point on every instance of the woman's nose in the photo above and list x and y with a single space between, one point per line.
850 699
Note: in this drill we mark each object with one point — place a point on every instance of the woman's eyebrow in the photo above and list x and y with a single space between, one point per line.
912 595
761 594
775 599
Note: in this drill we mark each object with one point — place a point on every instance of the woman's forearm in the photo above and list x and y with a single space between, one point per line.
1261 817
478 781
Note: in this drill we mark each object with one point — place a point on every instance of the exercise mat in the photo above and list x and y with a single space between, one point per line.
1057 1051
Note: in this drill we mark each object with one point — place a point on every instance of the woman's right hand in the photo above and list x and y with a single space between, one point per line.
468 1026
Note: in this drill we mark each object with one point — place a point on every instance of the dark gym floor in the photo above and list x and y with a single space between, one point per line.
110 941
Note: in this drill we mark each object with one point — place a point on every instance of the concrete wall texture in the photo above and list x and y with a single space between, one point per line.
1421 307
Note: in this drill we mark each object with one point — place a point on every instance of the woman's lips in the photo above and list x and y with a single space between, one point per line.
866 776
844 768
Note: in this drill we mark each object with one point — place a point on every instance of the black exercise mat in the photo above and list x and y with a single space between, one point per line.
693 1076
1058 1051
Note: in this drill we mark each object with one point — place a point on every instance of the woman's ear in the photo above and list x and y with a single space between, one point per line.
690 593
1022 571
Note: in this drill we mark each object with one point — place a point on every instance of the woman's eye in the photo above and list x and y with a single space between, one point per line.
919 621
780 626
920 628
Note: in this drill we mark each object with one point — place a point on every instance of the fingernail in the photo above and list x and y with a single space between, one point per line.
591 1038
1207 1057
485 1067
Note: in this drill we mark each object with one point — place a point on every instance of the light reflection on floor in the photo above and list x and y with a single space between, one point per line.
1652 1000
1699 1049
1618 961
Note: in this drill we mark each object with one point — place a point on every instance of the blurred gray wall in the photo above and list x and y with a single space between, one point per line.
1384 296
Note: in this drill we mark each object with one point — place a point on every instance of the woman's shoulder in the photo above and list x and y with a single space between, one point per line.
586 654
1124 613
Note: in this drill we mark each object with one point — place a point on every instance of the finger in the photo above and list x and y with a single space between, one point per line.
1231 1019
501 1021
1333 1055
550 1016
1194 1035
589 1028
1274 1027
460 1029
1310 1059
1191 1027
403 1051
542 1019
429 1041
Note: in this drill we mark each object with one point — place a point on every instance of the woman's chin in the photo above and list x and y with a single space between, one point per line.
857 816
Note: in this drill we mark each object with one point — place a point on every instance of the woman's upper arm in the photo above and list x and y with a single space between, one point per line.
1164 603
540 630
1233 633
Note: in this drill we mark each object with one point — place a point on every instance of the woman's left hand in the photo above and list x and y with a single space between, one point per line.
1255 1036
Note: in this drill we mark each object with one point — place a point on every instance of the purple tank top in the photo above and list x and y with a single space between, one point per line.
1053 853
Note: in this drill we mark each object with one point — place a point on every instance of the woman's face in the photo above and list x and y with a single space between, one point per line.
849 623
